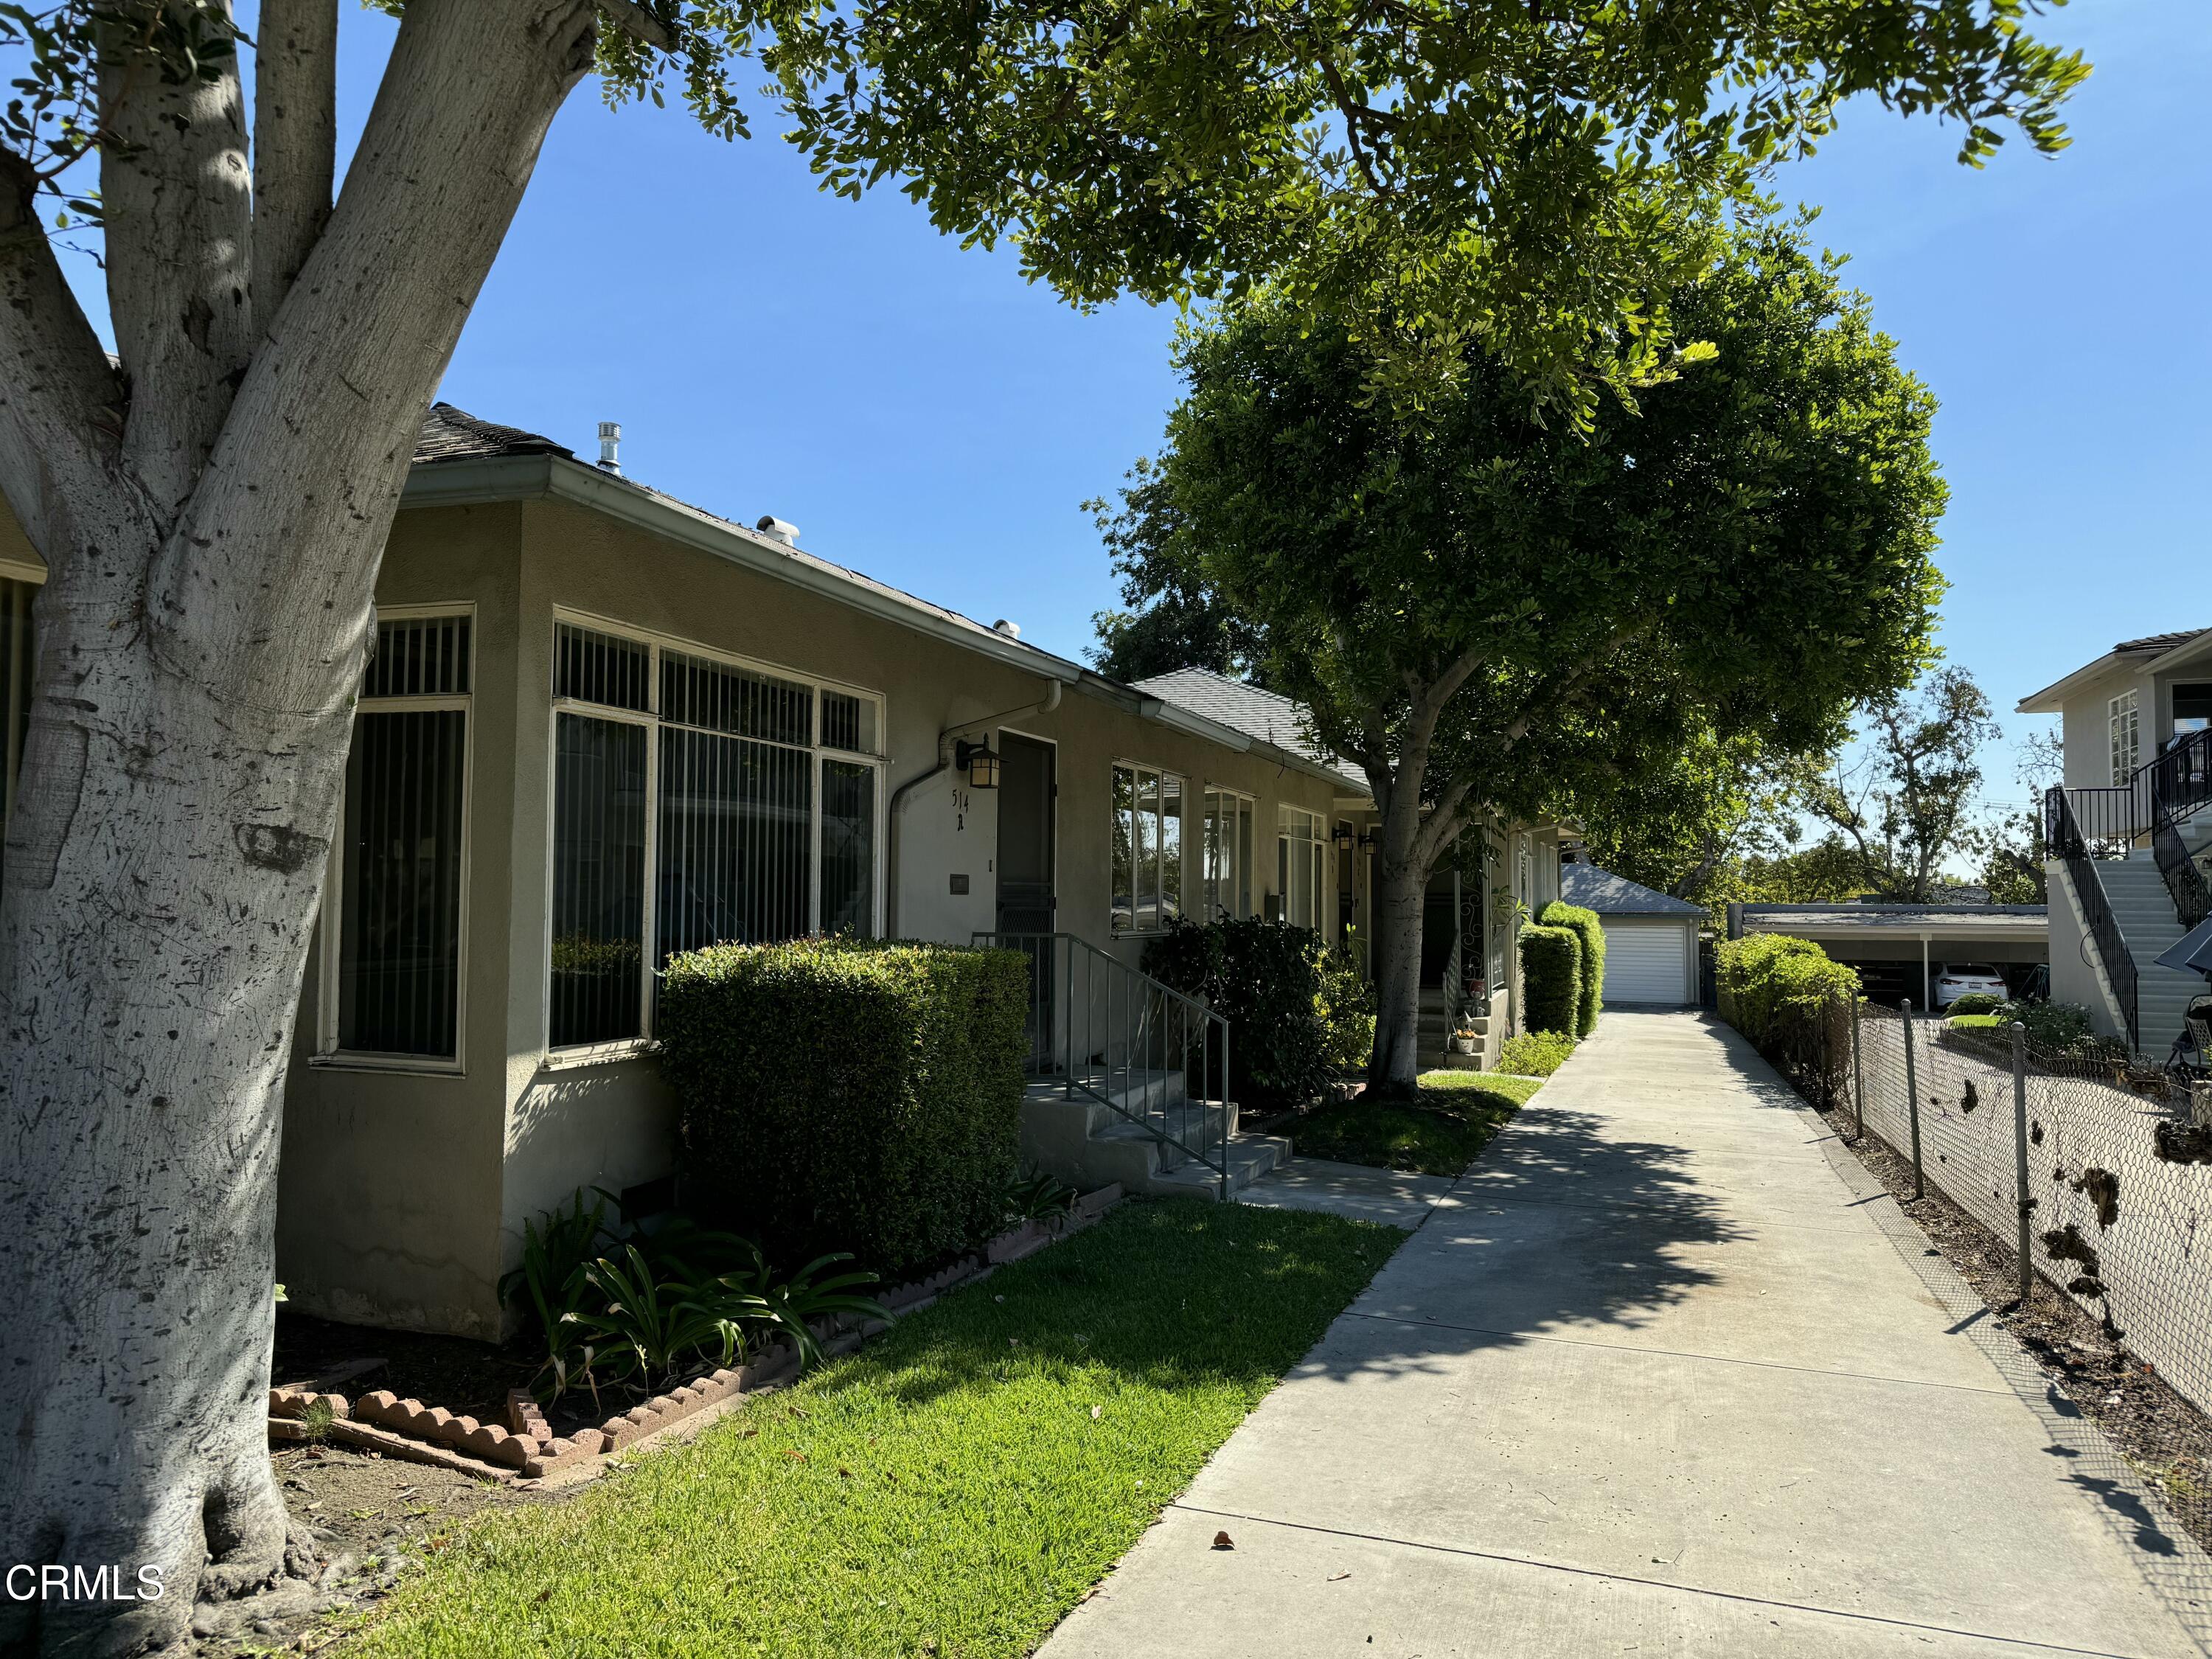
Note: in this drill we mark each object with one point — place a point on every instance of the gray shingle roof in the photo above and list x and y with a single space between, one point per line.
1616 895
1245 707
2159 641
454 434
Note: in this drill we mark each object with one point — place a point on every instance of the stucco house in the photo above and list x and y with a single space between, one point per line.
601 726
2129 831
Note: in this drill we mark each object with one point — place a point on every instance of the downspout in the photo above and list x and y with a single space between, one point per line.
943 764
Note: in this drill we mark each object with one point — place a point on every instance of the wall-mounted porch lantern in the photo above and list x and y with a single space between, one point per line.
980 762
1344 841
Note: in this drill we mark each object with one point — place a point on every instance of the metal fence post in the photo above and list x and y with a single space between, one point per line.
1913 1102
1858 1077
2020 1199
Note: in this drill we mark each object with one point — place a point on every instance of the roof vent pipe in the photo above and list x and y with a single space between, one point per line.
776 530
610 446
1011 630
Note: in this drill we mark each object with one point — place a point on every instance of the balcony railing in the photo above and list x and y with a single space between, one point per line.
2181 786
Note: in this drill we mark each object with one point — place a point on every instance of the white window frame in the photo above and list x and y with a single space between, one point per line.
1122 763
1240 904
650 717
327 1053
1285 842
2122 714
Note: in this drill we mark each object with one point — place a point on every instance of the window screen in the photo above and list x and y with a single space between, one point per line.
399 920
598 879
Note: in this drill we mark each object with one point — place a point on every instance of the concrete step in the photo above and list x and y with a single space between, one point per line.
1074 1136
1251 1157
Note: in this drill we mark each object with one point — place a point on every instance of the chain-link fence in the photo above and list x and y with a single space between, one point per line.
2114 1161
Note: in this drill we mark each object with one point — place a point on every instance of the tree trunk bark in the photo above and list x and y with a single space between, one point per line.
1394 1069
191 717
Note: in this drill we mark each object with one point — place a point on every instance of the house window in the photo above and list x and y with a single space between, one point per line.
1226 855
1147 853
395 924
1299 849
15 662
2126 734
752 797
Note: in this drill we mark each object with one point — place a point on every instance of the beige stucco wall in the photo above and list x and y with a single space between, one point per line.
405 1195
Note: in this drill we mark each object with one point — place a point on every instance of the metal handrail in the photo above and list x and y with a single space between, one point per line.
2181 785
2065 840
1130 1043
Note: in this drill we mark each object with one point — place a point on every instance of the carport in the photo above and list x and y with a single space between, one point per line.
1896 947
1650 938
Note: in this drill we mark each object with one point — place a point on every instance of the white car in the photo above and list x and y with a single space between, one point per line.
1956 978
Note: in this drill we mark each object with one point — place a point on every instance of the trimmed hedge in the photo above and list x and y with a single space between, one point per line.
1550 979
1974 1002
838 1095
1299 1015
1591 931
1792 1001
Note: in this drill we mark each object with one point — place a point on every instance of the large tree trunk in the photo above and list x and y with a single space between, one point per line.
200 641
1394 1069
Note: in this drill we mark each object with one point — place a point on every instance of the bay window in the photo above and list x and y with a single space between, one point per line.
753 798
1147 848
394 924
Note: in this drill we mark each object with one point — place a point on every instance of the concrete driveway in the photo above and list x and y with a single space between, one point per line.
1666 1373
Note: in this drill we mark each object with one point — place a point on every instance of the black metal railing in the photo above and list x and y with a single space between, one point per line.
1155 1056
2181 786
2064 836
2107 823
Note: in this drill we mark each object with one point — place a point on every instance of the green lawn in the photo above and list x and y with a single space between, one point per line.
953 1488
1439 1134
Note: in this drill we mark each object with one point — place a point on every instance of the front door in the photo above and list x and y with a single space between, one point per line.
1025 875
1025 837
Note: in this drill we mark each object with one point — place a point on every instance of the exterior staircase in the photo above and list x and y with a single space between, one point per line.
1434 1051
1108 1127
2144 909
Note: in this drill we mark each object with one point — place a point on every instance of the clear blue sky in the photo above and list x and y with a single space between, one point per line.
924 415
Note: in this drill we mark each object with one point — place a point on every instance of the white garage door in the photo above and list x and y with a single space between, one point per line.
1647 960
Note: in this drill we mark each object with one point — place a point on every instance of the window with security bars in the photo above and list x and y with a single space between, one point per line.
755 832
396 912
16 656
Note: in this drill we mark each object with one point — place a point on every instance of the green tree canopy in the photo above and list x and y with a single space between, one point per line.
1479 607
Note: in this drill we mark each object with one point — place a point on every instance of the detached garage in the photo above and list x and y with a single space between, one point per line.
1650 939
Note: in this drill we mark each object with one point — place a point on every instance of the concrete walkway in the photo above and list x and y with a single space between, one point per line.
1665 1373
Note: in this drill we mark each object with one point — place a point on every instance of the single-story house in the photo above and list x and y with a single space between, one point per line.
1896 948
601 726
1651 937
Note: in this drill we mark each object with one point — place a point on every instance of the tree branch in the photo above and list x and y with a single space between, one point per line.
295 143
177 196
60 401
639 24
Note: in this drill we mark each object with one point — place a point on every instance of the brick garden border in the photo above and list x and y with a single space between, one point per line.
525 1447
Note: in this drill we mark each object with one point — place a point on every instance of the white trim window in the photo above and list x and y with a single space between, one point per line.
755 797
396 921
1300 846
1226 846
2126 731
1147 848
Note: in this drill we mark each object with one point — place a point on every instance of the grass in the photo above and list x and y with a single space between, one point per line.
1439 1134
951 1489
1978 1022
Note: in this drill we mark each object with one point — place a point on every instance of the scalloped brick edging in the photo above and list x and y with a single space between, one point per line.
526 1448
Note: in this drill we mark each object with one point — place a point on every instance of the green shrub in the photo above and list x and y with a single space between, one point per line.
1591 932
1299 1014
1535 1054
1791 1001
2062 1027
836 1095
1975 1002
1550 979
